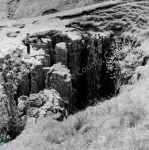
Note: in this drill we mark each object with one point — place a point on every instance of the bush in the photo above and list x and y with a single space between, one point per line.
12 72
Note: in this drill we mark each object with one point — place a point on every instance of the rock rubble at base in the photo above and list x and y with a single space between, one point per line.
44 103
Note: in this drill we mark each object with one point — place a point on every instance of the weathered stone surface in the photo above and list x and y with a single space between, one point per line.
13 34
54 102
46 46
34 86
23 89
47 102
59 78
19 25
46 70
33 112
93 67
49 11
43 34
74 60
57 38
37 76
34 101
61 53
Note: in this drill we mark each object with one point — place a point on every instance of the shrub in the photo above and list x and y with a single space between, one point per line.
12 72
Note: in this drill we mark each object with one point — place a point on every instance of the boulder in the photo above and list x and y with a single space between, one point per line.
13 34
53 105
34 100
49 11
19 25
47 102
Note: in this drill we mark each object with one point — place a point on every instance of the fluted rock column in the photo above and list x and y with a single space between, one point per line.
37 79
61 53
59 78
93 67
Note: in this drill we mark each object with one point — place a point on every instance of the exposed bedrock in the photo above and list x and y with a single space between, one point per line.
59 78
32 82
86 60
70 74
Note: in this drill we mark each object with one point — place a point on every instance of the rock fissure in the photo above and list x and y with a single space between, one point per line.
87 64
69 80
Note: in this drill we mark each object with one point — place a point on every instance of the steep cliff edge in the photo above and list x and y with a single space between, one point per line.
89 73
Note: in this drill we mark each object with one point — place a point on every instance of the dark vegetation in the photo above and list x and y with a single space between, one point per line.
12 72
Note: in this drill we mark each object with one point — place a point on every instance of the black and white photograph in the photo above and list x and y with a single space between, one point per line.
74 74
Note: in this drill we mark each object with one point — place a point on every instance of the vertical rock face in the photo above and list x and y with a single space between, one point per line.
86 60
57 38
32 82
108 85
93 68
87 64
23 89
37 78
74 48
61 53
59 78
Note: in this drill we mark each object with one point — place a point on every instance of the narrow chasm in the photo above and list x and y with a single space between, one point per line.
82 90
108 87
95 81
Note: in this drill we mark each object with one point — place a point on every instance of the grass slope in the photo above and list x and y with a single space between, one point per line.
15 9
122 17
121 123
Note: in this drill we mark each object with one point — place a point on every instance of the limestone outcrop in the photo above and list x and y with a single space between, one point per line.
59 78
61 53
37 79
86 60
64 74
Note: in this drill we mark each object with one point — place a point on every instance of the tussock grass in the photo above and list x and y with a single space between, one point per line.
121 123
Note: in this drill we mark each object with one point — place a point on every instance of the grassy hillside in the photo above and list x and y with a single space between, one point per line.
3 9
120 123
129 17
14 9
